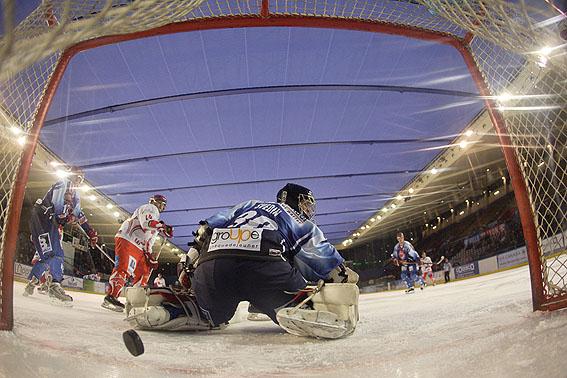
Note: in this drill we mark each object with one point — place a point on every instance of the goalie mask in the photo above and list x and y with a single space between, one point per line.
159 201
298 198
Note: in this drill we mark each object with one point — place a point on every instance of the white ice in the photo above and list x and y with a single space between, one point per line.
482 326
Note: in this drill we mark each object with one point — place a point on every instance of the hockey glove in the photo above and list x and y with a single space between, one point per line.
201 236
93 237
342 274
152 263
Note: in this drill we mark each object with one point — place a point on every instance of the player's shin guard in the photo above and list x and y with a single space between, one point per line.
334 314
116 283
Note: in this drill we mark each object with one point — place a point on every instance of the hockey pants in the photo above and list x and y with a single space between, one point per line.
129 262
222 283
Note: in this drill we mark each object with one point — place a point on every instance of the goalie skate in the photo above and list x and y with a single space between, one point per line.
334 313
312 323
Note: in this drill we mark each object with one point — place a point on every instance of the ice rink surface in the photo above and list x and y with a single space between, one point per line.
480 327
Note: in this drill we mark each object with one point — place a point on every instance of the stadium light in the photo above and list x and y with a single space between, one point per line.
463 144
61 173
411 190
109 206
116 214
434 171
22 140
92 197
16 130
399 197
469 133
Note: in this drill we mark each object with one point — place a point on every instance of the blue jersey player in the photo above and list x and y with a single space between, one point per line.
405 255
263 252
61 205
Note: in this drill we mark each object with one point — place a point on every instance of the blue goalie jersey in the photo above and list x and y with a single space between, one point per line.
266 230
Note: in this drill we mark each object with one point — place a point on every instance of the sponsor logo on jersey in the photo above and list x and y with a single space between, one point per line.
236 238
45 243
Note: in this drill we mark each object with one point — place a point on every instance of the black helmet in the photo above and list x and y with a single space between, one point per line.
298 198
159 201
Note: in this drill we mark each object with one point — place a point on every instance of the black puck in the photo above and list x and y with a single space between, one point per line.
133 342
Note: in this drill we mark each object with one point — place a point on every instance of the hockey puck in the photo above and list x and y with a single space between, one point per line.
133 342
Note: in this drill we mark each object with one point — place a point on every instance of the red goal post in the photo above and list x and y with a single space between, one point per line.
501 44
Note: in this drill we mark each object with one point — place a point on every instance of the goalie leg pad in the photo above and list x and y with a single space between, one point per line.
162 309
334 314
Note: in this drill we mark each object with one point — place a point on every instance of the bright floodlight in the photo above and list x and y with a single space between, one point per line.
61 173
545 51
109 206
116 214
469 133
434 171
22 140
463 144
411 190
504 97
399 197
15 130
92 197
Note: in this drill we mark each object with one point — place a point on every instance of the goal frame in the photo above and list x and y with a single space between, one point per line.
462 45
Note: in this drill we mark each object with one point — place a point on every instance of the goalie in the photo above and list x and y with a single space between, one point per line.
264 253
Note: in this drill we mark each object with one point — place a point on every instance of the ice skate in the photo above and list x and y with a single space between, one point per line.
28 290
43 289
112 304
410 290
255 315
58 295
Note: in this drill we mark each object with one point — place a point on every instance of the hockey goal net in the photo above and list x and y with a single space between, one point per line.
512 49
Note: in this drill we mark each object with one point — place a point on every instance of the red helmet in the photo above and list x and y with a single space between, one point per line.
159 201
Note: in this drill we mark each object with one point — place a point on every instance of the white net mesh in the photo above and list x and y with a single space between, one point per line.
505 40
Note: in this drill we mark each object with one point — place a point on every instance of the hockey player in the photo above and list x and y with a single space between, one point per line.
427 269
264 253
61 205
405 255
133 249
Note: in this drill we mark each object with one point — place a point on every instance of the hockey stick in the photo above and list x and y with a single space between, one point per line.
97 246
